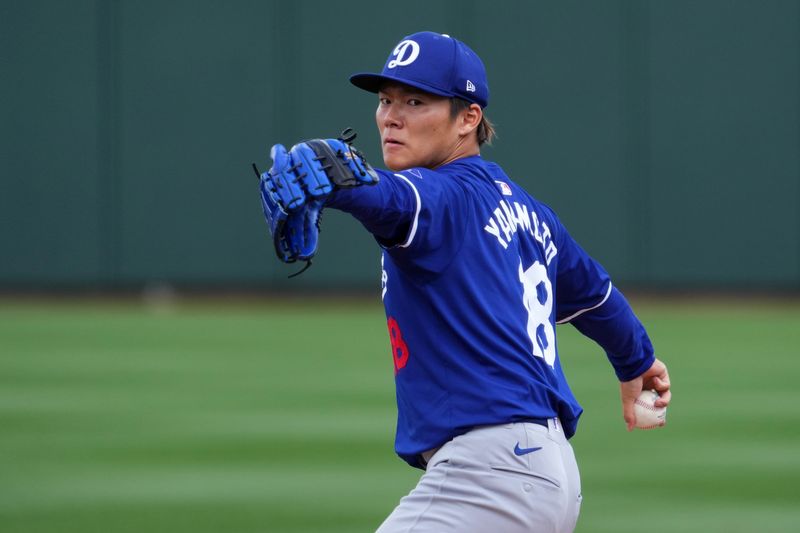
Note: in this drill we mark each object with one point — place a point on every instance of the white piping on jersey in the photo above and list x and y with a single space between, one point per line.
416 215
565 320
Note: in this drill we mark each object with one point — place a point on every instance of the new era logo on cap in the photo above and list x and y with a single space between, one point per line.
435 63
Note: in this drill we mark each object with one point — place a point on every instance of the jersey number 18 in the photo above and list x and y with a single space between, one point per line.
537 296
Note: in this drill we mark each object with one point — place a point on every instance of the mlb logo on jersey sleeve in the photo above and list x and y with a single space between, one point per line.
504 188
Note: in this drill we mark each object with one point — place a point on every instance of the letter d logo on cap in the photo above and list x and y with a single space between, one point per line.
406 53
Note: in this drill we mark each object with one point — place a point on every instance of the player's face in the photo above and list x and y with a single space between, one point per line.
417 129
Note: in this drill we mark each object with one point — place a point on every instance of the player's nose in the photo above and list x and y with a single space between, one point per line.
389 117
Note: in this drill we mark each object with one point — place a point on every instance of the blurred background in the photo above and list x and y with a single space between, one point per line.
665 134
159 371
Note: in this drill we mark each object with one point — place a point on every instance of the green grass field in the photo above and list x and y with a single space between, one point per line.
278 416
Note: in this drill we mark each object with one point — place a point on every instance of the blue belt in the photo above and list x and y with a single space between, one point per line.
538 421
426 456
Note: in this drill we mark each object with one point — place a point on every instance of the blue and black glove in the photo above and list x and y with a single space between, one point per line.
294 190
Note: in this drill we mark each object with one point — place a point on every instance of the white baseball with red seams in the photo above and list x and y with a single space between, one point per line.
648 416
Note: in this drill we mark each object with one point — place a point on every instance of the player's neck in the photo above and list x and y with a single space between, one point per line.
464 148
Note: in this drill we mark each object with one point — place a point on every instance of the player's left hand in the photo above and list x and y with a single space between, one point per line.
654 378
294 190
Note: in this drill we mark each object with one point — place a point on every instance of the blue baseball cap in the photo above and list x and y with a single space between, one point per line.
435 63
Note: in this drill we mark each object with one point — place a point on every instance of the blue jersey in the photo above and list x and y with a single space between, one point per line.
476 275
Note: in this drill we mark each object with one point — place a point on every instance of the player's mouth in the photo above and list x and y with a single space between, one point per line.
390 141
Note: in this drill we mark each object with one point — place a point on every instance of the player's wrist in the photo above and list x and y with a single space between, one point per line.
636 369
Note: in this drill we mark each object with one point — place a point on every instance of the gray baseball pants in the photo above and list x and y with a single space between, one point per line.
510 478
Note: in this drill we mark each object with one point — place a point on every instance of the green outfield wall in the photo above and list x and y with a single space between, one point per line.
666 134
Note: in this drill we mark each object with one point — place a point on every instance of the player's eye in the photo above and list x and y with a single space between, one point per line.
383 101
414 102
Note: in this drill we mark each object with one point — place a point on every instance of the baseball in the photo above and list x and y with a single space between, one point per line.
648 416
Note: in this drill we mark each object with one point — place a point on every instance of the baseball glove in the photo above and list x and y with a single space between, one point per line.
294 190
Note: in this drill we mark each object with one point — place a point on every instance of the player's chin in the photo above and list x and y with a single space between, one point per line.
394 162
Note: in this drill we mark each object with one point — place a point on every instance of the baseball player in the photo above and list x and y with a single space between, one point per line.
476 273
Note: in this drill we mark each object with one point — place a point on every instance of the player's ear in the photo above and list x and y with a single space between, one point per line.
469 119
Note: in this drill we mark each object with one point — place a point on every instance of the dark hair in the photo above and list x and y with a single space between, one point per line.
485 129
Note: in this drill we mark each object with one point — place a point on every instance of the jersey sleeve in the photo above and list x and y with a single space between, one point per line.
586 298
386 209
413 214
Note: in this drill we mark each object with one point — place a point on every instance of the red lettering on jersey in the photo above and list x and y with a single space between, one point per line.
399 347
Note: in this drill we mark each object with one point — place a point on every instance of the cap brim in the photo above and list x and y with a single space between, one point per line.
373 82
